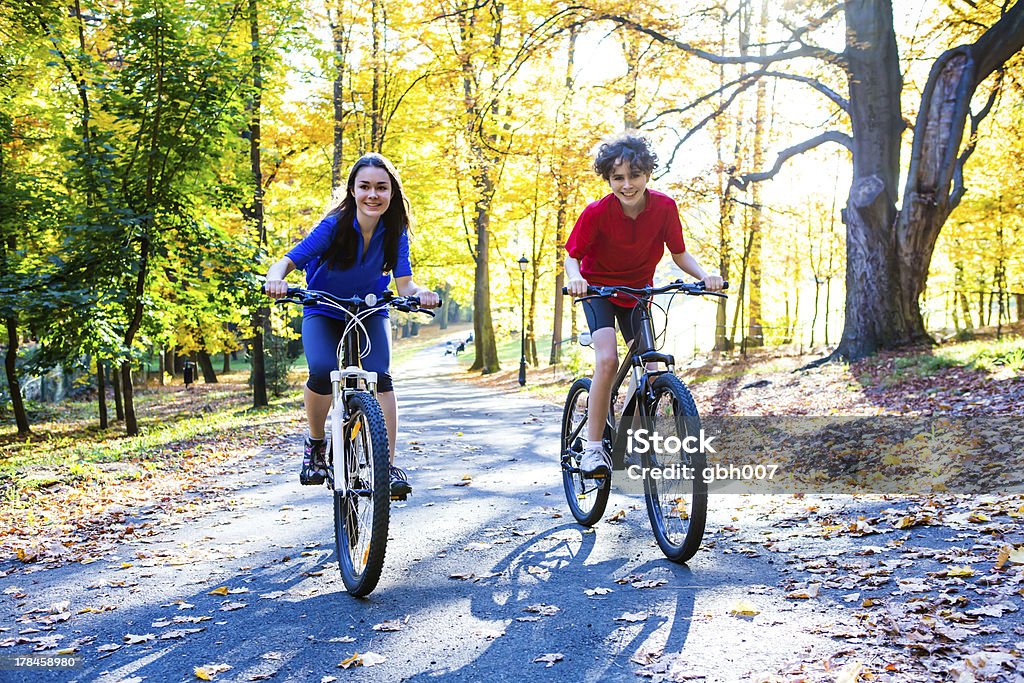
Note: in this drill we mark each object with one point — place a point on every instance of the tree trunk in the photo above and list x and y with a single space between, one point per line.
205 362
485 347
339 39
226 368
101 385
377 60
875 315
131 423
261 316
755 333
725 209
531 314
13 384
562 182
631 54
934 183
115 381
446 305
258 371
483 162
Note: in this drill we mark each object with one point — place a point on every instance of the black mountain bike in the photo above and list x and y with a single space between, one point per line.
656 399
358 456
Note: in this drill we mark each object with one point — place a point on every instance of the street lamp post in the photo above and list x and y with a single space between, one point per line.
523 262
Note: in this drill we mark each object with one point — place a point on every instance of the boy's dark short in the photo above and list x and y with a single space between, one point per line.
603 313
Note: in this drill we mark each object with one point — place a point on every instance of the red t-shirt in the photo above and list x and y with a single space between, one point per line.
616 250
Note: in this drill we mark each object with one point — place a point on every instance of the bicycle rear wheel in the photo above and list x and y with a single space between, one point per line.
362 513
676 506
587 498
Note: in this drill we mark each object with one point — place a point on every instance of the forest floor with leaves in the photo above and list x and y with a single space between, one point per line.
923 587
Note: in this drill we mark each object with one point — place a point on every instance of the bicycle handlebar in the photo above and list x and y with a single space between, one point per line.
406 304
689 288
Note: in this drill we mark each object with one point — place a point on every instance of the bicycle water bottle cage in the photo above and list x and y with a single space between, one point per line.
352 371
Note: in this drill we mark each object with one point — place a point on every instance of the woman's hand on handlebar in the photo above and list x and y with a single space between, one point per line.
428 299
577 287
275 289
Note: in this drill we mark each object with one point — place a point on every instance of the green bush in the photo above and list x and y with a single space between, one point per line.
278 363
578 360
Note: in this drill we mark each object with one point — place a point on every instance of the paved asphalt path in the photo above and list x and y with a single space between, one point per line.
288 617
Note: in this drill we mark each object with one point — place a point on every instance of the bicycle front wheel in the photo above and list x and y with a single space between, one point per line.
678 505
361 514
587 498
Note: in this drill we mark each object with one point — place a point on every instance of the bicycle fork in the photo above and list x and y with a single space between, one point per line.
342 383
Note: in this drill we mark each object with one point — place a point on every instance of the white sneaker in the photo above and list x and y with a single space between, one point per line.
595 463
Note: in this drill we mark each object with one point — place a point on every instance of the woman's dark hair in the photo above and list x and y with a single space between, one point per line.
630 148
343 251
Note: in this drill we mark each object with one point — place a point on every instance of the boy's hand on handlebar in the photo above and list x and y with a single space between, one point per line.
275 289
712 283
577 287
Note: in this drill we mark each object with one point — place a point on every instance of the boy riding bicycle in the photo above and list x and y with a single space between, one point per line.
619 240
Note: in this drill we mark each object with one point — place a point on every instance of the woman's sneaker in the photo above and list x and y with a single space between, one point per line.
595 463
400 486
314 469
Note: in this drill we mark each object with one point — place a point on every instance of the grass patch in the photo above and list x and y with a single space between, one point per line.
984 354
67 444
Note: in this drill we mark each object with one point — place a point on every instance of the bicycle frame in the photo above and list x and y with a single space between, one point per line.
639 354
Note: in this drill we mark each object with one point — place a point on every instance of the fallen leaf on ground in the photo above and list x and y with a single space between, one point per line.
364 659
549 659
207 672
389 625
805 593
632 617
179 633
744 608
542 609
597 591
850 673
959 571
223 590
133 639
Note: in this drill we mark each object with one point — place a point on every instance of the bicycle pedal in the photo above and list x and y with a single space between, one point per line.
402 497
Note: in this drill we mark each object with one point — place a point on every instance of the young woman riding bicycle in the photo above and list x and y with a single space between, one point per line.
619 240
354 251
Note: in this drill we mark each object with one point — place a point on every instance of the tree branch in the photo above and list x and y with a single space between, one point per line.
829 136
703 122
957 193
802 51
828 92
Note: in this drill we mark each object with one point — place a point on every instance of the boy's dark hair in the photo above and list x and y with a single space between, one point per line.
628 147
